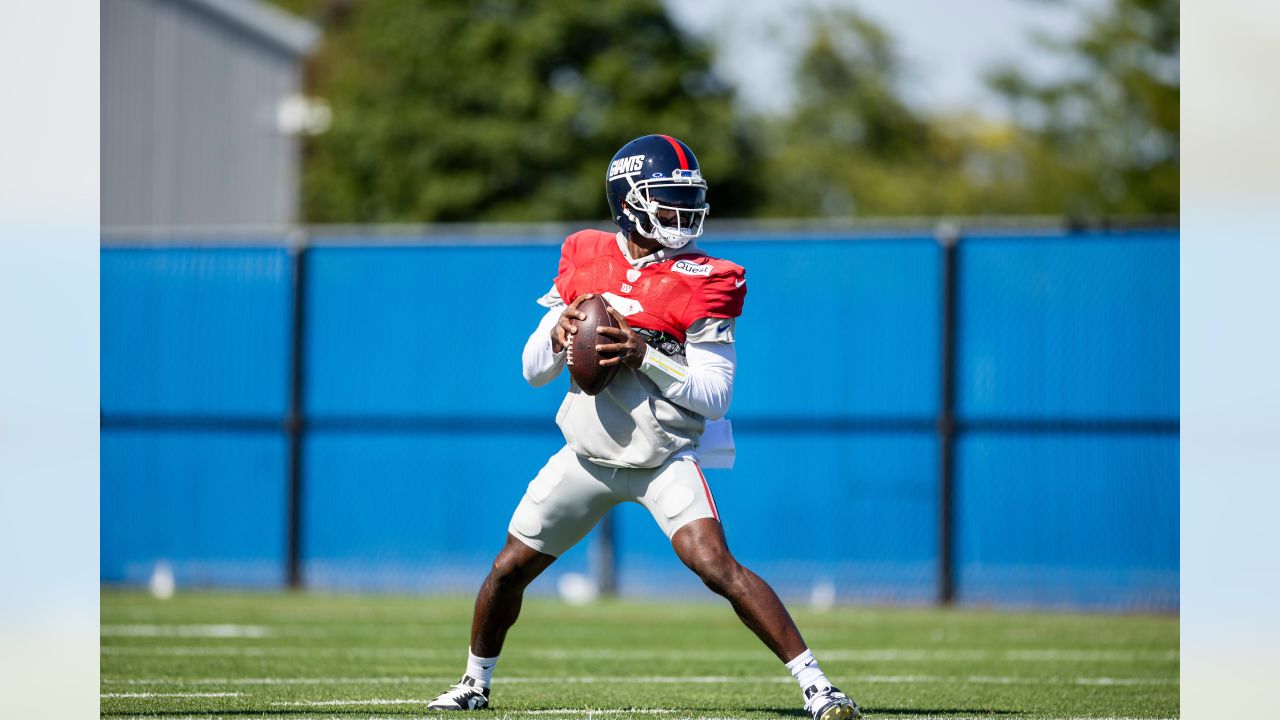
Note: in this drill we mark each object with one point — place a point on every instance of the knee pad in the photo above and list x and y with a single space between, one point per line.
675 499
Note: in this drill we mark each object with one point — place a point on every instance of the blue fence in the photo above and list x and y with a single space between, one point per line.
420 434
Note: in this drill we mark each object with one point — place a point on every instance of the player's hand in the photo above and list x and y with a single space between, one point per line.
566 325
630 347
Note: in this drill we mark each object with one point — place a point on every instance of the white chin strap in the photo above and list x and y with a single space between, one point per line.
667 237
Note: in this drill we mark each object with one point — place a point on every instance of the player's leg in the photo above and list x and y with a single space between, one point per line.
502 593
497 609
561 505
680 500
701 546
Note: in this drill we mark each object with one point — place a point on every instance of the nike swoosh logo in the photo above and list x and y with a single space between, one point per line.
740 283
723 327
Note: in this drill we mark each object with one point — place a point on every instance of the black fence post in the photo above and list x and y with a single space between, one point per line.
948 237
606 568
295 423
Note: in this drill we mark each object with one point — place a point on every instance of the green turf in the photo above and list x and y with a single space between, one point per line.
321 656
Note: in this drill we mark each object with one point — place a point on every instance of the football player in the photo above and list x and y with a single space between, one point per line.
643 438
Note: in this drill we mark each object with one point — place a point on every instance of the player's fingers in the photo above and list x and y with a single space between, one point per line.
612 347
612 332
618 316
606 362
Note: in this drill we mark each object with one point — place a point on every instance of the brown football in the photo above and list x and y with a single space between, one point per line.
582 358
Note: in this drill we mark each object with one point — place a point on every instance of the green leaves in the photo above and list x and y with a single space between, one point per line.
504 110
458 111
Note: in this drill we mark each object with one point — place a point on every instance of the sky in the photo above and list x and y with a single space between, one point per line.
947 46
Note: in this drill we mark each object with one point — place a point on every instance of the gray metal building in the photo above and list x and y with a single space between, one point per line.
201 112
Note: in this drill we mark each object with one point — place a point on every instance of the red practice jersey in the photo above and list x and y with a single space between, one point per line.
667 296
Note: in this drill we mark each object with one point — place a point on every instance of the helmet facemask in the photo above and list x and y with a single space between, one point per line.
669 210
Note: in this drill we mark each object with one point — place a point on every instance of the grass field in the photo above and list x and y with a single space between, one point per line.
324 656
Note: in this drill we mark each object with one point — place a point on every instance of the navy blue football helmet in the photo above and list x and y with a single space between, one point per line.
655 188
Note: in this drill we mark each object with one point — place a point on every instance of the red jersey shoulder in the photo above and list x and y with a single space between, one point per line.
580 250
586 245
718 287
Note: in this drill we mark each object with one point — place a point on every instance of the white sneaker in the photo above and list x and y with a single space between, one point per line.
466 695
828 703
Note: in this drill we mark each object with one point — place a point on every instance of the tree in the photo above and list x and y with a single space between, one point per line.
1106 140
460 110
852 145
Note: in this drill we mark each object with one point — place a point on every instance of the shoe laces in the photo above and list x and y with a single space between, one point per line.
814 694
461 689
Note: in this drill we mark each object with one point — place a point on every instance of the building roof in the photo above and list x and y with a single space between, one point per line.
273 25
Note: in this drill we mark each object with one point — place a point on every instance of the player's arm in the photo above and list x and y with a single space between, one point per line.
541 363
543 356
703 385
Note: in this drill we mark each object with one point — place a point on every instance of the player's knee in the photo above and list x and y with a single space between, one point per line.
507 574
718 571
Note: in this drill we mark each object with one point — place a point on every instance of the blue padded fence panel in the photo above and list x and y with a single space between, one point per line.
837 328
425 331
379 343
424 434
424 511
211 504
859 511
196 331
1067 520
1085 326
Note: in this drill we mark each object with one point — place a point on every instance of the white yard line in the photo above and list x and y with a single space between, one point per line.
172 695
667 680
187 631
884 655
222 651
281 681
343 703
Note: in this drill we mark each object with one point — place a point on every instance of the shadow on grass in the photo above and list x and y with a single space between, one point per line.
876 711
967 712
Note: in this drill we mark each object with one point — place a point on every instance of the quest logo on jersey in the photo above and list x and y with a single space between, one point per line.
689 268
626 166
